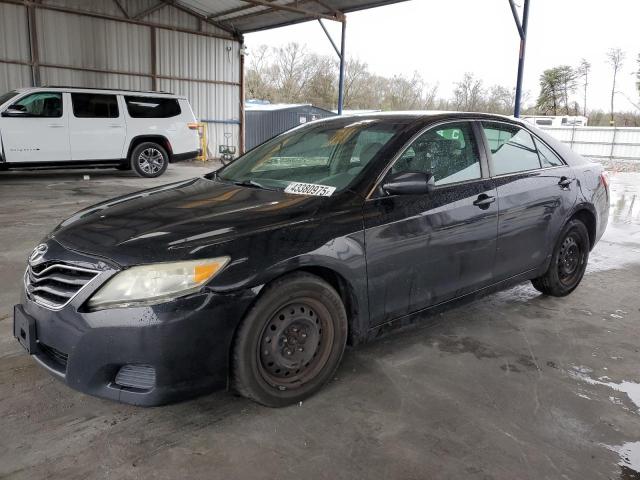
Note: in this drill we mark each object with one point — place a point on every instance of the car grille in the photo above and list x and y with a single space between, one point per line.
53 284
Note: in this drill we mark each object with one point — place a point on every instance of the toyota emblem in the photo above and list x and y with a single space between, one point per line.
38 253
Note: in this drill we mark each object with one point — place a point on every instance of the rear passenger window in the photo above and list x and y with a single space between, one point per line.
512 148
152 107
547 157
449 153
91 105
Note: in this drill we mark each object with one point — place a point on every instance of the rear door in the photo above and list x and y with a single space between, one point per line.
38 130
97 127
425 249
536 191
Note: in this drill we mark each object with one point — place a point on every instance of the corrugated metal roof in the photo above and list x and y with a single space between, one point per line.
245 16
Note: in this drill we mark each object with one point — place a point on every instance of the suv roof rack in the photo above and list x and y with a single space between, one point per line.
111 89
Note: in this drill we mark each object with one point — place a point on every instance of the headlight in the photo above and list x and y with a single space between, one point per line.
157 283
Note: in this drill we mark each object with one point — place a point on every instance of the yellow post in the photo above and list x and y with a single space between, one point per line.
202 131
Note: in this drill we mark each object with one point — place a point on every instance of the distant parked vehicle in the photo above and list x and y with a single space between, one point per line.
80 127
556 120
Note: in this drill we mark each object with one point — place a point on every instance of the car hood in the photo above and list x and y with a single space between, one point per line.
180 220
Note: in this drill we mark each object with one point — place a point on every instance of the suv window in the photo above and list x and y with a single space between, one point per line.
152 107
547 157
449 152
7 96
92 105
40 104
512 148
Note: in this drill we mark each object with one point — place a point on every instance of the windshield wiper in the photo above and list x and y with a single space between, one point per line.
251 184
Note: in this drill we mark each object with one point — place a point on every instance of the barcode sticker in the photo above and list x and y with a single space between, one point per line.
310 189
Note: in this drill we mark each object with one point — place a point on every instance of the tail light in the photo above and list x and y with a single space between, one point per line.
193 126
604 179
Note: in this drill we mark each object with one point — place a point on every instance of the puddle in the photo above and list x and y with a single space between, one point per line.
630 389
625 199
629 459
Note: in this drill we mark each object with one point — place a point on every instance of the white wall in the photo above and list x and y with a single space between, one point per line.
612 143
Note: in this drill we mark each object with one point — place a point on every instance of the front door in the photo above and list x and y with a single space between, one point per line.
535 190
426 249
97 127
35 128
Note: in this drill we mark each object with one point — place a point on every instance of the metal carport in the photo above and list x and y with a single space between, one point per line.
193 47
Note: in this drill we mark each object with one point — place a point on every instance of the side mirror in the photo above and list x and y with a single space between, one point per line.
409 183
15 111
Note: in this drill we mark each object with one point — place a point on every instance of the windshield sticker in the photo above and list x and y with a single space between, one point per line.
310 189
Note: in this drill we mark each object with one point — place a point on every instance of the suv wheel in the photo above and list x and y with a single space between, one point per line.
291 342
568 263
149 160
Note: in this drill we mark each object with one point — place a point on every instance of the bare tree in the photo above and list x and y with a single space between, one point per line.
583 71
615 57
257 77
468 93
638 75
568 80
499 100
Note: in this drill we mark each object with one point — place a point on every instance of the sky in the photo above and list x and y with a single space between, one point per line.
444 39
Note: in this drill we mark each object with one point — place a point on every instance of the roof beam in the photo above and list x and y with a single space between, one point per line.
290 7
149 11
202 17
121 8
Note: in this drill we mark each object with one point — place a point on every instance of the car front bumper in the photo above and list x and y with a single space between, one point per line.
172 351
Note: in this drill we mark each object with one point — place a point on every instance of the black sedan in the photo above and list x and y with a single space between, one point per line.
256 276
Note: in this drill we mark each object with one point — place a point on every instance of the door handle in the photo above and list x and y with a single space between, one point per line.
114 125
565 182
55 125
483 201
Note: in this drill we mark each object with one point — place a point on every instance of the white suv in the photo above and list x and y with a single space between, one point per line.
78 127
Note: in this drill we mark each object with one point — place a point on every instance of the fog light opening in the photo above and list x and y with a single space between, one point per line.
136 377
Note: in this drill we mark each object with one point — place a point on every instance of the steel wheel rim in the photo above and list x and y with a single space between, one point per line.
151 160
295 344
570 259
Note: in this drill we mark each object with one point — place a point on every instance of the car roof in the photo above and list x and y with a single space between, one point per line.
424 117
429 115
58 88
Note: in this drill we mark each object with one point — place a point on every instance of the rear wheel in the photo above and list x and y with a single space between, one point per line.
291 342
149 160
568 263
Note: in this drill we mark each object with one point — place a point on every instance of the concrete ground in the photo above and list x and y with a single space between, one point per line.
514 386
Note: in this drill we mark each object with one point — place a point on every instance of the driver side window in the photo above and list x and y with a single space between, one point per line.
448 152
40 104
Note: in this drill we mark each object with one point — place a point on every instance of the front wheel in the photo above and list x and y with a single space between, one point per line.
149 160
291 342
568 263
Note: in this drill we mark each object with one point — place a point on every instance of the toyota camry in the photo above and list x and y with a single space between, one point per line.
256 276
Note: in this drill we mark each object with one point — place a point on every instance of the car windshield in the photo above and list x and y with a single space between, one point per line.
7 96
327 153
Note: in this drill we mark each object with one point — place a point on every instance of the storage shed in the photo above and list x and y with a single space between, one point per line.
264 121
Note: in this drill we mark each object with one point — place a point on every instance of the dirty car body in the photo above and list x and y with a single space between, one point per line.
393 256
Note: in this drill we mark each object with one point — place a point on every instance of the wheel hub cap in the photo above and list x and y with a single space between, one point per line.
569 258
151 160
290 342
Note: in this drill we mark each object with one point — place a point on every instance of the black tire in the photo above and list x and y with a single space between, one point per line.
568 262
270 364
149 160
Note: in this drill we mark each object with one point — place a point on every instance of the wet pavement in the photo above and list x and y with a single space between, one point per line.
514 386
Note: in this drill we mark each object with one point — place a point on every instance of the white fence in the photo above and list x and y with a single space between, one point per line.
621 144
